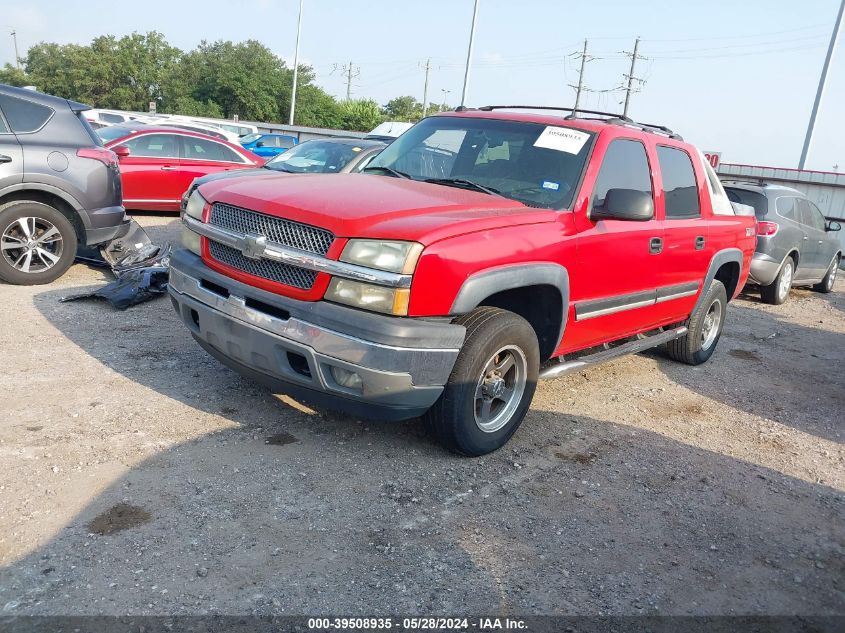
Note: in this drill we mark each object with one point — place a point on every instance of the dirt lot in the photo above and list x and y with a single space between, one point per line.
137 475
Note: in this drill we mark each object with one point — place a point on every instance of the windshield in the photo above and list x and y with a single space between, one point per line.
315 157
249 138
112 132
532 163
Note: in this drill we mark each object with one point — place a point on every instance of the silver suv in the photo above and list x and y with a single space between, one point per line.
796 245
59 187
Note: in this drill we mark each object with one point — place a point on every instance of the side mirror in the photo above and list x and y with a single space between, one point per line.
625 204
833 226
260 144
122 151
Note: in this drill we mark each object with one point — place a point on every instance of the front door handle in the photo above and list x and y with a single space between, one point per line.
167 168
655 246
699 242
5 159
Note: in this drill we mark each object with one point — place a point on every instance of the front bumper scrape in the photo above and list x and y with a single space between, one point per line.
298 347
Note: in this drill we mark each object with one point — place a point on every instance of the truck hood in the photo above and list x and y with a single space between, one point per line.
360 205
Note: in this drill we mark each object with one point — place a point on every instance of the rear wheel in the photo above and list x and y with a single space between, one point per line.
826 284
491 385
704 328
778 291
37 243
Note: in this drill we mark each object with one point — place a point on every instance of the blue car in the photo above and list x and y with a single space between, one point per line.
268 144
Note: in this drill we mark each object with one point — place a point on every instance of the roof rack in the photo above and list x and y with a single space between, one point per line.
611 117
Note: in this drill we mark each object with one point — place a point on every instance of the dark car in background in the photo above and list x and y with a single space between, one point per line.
318 156
59 187
796 245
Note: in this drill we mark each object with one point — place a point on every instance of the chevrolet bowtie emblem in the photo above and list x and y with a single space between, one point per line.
253 246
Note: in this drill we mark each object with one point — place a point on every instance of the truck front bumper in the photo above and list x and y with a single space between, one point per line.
340 358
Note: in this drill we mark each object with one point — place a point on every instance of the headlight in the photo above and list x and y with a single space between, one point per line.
195 205
394 257
369 297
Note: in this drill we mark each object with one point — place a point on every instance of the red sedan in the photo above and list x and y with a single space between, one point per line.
157 164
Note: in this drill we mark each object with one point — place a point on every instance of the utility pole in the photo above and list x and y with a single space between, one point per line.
351 73
17 57
808 139
425 89
469 54
580 86
295 65
631 77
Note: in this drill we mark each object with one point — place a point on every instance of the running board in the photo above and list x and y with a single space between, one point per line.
632 347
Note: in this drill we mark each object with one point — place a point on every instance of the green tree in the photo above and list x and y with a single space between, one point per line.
405 108
360 115
13 76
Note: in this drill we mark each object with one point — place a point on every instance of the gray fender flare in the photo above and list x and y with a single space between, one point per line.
40 186
481 285
721 258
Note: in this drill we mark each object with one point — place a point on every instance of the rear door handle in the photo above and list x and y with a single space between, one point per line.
5 159
699 242
167 168
655 246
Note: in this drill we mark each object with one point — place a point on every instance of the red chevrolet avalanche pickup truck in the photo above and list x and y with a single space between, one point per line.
481 251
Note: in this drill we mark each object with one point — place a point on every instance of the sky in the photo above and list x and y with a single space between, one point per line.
734 77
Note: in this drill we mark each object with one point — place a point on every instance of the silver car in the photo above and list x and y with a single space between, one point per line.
796 245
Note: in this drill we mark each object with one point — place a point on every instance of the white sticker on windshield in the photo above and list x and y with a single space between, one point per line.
562 139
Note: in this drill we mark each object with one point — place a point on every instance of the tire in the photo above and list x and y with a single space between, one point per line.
778 291
700 341
460 420
35 262
826 284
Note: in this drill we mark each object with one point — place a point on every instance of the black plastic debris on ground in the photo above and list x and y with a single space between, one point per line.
140 266
130 288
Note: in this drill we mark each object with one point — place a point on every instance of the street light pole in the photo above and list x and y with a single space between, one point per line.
469 54
445 92
808 139
295 65
17 57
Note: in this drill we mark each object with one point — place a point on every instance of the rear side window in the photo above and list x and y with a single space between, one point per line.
679 185
24 116
625 166
202 149
786 209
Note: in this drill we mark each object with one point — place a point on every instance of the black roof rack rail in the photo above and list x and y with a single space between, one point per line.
612 117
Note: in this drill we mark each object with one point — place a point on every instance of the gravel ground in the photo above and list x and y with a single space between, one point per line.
139 476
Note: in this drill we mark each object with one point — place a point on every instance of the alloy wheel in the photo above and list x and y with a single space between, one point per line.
499 388
31 245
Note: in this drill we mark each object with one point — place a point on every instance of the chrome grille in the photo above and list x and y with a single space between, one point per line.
274 271
293 234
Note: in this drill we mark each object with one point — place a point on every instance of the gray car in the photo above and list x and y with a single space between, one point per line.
796 245
59 187
317 156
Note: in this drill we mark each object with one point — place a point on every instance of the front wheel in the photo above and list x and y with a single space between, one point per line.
704 328
491 385
826 284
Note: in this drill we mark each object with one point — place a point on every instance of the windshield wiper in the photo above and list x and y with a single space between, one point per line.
389 170
465 184
282 169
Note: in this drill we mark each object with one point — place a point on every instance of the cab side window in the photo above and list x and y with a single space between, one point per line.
680 188
625 166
